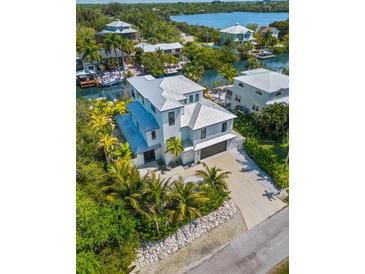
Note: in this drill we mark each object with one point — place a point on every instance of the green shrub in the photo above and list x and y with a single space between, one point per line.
264 158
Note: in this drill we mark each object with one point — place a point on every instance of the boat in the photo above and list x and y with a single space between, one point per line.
109 79
264 54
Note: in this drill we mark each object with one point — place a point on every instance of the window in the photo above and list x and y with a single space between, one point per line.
197 97
185 101
133 95
253 107
138 95
153 108
191 98
224 126
171 118
203 133
259 92
278 94
241 85
238 98
257 108
153 135
142 99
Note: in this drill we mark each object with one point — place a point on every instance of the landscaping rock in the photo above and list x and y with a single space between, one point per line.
150 253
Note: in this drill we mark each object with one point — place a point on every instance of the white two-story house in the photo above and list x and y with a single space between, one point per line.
236 33
174 107
119 27
258 88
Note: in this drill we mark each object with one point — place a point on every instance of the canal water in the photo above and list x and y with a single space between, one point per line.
278 62
210 76
216 20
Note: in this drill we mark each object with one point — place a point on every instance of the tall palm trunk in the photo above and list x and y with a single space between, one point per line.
157 227
116 56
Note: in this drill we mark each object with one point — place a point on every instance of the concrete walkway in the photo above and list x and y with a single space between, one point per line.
251 190
255 252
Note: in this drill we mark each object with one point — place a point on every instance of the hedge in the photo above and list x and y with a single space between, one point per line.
263 157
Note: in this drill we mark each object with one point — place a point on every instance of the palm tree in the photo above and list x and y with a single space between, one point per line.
127 185
119 108
228 72
174 145
98 121
245 49
186 199
114 41
156 197
252 63
90 51
106 143
122 151
194 72
213 177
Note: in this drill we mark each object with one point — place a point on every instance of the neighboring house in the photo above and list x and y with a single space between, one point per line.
119 27
174 107
274 31
236 33
258 88
112 54
167 48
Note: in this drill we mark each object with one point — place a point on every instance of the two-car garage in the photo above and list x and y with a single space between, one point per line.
213 149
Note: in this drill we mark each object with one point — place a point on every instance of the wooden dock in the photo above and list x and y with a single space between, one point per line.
88 83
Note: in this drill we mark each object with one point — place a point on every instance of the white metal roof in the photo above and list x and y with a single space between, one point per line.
130 30
117 23
236 29
266 80
204 113
214 141
284 99
163 46
164 93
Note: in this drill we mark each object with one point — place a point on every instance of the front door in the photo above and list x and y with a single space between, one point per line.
149 156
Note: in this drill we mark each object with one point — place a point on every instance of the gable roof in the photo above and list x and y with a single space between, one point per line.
264 79
164 93
163 46
204 113
236 29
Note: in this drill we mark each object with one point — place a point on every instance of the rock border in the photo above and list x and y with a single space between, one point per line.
154 252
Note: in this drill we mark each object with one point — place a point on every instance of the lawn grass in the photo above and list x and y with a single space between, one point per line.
282 268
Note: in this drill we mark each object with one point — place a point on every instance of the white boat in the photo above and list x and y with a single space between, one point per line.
109 79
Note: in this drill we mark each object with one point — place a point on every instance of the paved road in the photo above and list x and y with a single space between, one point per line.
257 251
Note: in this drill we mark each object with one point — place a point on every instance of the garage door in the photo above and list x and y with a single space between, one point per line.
214 149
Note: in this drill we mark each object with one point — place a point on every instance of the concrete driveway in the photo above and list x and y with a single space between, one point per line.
251 190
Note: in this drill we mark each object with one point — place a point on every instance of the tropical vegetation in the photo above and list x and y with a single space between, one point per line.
228 72
117 208
267 140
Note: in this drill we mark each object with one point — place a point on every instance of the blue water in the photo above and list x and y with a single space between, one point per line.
110 93
212 75
223 20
